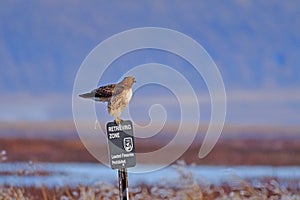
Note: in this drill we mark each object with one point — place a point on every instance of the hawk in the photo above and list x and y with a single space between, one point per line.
117 95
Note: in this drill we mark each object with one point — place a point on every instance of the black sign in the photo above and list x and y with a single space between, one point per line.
121 144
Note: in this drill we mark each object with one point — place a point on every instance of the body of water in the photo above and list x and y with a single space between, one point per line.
72 174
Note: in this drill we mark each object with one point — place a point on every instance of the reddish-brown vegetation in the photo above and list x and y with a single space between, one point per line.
226 152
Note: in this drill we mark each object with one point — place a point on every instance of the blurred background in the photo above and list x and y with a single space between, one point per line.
255 44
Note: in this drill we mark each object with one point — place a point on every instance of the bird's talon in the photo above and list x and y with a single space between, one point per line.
118 121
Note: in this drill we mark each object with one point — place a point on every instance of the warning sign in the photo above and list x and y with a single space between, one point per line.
121 144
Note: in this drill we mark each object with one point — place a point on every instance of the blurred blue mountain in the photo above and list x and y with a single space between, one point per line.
255 44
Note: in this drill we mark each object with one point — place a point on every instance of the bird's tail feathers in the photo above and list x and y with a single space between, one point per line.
87 95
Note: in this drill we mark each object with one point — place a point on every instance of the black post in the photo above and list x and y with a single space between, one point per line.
121 152
123 184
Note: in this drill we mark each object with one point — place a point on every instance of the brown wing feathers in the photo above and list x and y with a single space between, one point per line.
104 91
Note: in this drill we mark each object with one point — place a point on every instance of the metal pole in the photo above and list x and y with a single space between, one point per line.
123 184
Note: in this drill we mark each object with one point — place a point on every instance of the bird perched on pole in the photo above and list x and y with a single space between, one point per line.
117 95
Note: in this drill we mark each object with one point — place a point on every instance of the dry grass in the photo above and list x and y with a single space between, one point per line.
194 191
186 187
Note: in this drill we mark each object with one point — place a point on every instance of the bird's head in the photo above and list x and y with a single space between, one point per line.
129 80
